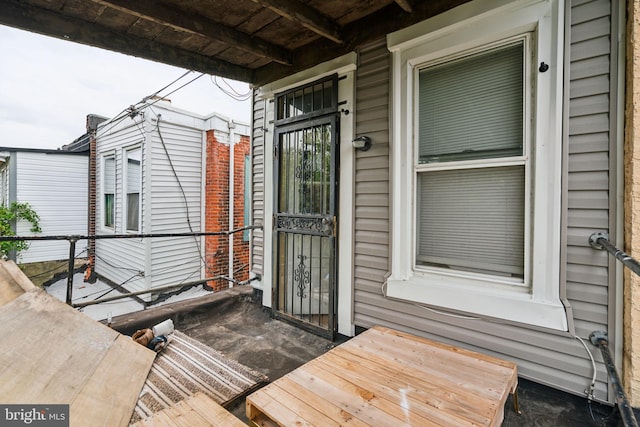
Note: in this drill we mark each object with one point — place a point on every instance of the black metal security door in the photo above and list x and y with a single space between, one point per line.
305 206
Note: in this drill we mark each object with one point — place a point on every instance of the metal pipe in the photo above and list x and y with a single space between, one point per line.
232 137
148 291
70 267
129 236
600 340
601 241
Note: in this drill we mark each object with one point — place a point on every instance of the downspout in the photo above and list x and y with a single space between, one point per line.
232 137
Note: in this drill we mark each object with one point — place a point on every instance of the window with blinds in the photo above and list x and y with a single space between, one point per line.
109 191
134 176
471 163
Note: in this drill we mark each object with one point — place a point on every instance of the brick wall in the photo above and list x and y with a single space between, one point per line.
217 208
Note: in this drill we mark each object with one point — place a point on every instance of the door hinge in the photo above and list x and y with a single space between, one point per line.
334 233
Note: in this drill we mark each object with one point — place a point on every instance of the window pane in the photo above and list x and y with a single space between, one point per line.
109 183
133 211
472 219
134 175
108 210
306 100
109 175
472 108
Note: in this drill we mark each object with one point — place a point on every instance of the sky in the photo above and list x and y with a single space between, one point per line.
48 86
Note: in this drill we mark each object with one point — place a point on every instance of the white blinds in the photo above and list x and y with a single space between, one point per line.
472 108
133 173
472 219
109 175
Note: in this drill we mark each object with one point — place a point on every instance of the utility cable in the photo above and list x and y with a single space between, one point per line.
231 91
184 195
144 103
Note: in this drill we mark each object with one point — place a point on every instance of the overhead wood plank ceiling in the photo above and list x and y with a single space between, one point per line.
255 41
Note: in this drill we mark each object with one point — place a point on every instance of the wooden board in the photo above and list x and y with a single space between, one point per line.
14 283
389 378
52 354
197 410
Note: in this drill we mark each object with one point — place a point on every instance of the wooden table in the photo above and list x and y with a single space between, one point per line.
385 377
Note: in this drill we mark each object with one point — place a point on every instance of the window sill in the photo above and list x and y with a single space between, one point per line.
511 304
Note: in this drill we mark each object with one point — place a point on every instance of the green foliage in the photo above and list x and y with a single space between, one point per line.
12 214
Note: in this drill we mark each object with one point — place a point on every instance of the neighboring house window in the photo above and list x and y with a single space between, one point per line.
133 187
109 191
477 154
5 188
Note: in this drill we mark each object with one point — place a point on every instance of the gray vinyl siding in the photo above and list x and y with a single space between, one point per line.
55 185
550 358
257 184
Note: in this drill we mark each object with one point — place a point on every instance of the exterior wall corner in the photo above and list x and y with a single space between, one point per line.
631 298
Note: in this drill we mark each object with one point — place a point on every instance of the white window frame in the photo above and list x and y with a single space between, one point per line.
103 207
470 27
125 198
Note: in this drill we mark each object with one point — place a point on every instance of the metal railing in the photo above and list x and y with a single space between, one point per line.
600 241
73 239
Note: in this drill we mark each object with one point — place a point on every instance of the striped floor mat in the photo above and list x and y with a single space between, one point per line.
187 366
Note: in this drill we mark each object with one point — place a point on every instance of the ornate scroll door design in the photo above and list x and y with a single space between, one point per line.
305 205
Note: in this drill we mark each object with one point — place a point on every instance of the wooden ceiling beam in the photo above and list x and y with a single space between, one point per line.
197 24
306 16
15 13
405 5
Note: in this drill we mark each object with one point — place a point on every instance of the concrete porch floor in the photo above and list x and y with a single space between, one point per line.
234 323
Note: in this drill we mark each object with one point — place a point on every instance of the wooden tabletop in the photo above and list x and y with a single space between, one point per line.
384 377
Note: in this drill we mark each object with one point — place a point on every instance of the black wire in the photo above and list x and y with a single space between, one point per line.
117 266
146 98
144 103
231 92
184 195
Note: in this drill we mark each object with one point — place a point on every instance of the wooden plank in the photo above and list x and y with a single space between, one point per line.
328 409
445 407
387 378
308 408
51 352
261 404
410 408
437 371
354 399
56 355
470 366
13 282
112 392
214 413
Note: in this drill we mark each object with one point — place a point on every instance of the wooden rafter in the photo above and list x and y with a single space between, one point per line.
197 24
405 5
306 16
15 13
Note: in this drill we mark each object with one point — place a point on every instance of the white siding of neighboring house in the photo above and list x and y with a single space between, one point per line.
140 264
175 260
120 260
55 185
